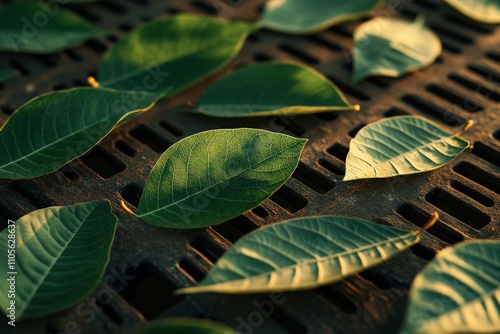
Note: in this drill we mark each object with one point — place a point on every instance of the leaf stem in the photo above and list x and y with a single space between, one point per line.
92 82
466 127
126 208
434 218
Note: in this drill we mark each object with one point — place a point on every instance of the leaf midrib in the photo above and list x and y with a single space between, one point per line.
321 260
385 162
42 280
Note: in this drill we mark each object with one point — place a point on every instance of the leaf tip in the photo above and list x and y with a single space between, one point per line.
434 218
92 82
126 208
356 107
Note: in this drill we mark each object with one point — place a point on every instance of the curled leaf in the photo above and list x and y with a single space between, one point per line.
303 253
272 89
393 47
457 292
309 16
486 11
400 145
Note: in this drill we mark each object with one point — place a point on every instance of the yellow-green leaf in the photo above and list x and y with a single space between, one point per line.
458 292
400 145
393 47
303 253
486 11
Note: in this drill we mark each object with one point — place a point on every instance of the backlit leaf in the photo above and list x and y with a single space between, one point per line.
213 176
309 16
303 253
458 292
486 11
53 129
37 28
60 256
393 47
400 145
165 56
188 326
272 89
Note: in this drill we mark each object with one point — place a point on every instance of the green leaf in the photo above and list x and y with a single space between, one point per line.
213 176
303 253
6 74
486 11
169 55
393 47
457 292
309 16
60 257
53 129
188 326
400 145
272 89
36 28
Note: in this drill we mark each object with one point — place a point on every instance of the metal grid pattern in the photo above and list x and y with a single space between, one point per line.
148 263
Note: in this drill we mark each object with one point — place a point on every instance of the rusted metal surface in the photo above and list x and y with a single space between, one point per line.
148 263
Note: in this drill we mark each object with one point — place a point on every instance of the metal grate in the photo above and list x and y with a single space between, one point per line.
148 263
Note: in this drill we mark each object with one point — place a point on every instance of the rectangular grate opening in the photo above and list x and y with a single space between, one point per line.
338 151
478 176
125 148
192 271
433 110
299 53
289 199
132 193
103 163
466 104
486 153
458 208
419 217
150 138
314 180
235 228
423 252
337 298
206 246
331 167
378 280
472 193
150 292
259 211
475 86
